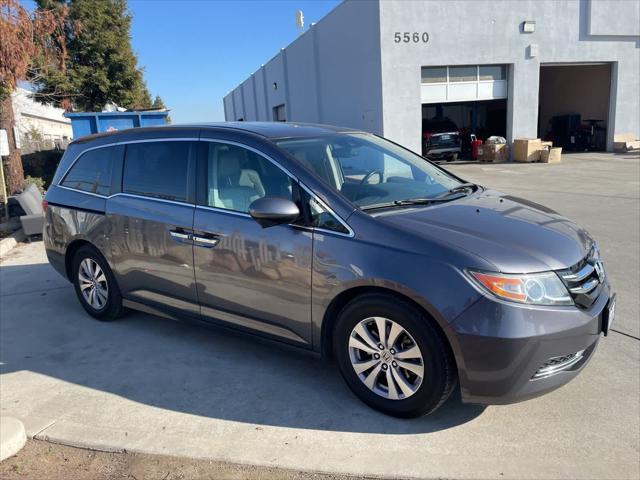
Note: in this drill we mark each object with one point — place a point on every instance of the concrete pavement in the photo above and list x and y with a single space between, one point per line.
150 385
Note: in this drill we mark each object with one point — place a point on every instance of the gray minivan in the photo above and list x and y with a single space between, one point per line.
337 241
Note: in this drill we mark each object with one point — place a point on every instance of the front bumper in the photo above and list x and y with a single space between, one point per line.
502 345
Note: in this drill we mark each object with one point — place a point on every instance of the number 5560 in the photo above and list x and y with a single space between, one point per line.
407 37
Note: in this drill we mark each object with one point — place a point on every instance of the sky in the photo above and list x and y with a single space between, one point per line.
194 52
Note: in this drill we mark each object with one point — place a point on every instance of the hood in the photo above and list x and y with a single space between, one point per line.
513 234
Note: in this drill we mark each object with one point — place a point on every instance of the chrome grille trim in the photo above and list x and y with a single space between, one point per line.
584 279
585 287
580 275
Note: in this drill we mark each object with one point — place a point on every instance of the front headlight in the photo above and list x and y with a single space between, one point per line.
535 288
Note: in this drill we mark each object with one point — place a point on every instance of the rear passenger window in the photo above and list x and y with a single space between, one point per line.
158 169
92 171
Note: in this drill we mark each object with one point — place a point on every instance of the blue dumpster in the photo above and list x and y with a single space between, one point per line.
86 123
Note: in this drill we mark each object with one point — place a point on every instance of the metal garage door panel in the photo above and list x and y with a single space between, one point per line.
445 89
462 91
492 90
433 93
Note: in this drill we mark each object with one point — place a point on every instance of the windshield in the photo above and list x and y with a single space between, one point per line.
369 170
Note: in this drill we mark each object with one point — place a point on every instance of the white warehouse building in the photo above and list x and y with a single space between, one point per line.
513 68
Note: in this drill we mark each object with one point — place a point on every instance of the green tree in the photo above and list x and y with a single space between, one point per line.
101 65
158 103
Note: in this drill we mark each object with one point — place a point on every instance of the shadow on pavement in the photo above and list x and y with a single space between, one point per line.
183 367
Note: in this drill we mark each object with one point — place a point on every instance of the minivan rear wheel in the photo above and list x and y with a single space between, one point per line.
95 285
393 357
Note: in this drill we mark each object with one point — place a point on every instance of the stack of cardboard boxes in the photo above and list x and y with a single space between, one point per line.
535 150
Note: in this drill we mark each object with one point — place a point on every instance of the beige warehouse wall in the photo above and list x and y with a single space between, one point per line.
582 89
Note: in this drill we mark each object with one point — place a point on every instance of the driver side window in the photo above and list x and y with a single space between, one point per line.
365 160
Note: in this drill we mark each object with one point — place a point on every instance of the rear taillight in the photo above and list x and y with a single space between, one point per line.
45 205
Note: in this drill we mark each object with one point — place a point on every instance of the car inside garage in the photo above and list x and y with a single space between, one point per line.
483 119
574 105
460 103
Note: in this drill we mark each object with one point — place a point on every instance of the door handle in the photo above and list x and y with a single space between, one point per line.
207 240
180 235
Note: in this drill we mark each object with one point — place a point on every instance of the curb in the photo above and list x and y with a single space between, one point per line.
6 244
12 437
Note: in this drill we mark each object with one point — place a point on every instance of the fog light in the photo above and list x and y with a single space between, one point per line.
557 364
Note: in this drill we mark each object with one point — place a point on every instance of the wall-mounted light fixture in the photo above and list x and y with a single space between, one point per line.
528 26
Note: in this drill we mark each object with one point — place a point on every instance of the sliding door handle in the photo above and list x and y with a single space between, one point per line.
180 235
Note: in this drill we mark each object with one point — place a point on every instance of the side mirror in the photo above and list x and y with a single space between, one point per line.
271 211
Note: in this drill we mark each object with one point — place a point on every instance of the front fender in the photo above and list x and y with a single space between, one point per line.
342 266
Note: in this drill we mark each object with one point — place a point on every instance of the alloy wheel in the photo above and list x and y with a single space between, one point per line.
386 358
93 284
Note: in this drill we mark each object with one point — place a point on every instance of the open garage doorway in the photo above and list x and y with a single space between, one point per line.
482 118
574 105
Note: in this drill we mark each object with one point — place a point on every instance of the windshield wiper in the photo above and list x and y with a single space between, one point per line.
410 201
463 187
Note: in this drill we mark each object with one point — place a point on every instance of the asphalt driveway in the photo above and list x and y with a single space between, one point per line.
151 385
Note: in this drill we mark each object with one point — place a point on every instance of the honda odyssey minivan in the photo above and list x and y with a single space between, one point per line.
337 241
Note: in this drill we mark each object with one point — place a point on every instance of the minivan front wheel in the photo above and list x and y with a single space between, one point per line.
392 357
95 285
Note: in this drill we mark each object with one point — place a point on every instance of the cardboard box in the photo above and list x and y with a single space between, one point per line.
527 149
623 147
547 145
625 142
551 156
493 152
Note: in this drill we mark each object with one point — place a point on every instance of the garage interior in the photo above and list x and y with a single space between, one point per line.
574 105
468 99
483 118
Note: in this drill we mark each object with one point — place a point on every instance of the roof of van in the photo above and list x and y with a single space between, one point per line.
265 129
280 129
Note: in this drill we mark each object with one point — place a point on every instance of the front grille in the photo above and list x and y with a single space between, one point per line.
584 279
558 364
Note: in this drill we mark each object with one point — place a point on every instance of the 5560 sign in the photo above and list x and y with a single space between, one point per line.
410 37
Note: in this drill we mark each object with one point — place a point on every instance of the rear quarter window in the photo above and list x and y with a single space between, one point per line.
93 171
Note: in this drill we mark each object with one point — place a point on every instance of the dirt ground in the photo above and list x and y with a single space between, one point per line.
40 460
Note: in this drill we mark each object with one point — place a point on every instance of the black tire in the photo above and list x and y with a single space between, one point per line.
440 375
113 308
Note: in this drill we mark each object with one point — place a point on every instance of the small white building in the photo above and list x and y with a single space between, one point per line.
39 126
514 68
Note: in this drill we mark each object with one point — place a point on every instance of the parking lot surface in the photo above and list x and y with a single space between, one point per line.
150 385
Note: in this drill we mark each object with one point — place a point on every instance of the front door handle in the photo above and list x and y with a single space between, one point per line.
207 240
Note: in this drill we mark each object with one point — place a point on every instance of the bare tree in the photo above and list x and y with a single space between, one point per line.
28 47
